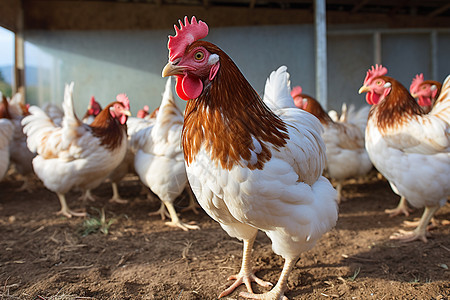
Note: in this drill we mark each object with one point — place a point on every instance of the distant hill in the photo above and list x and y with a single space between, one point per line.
31 75
7 73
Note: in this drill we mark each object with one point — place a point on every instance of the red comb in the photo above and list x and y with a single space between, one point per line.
296 91
376 71
92 101
186 35
122 98
416 82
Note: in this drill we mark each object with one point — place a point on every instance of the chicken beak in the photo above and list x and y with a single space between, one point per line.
414 95
127 113
171 69
364 89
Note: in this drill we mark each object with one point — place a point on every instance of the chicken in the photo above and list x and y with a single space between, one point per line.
344 140
411 149
54 112
426 91
251 164
159 158
20 156
142 113
6 134
92 111
77 155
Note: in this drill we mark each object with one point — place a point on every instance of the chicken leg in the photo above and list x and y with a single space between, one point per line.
421 230
277 293
116 196
162 211
193 205
176 222
65 211
87 195
246 274
402 208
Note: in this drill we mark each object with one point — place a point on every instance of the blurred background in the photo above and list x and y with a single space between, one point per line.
120 46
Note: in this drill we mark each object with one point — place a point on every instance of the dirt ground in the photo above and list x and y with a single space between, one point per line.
44 256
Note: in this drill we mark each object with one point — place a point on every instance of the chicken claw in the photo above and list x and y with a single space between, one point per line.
182 225
409 236
65 210
161 211
402 208
247 279
70 213
87 195
433 224
266 296
420 233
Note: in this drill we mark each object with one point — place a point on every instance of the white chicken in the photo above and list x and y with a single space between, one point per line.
76 155
344 140
410 148
252 165
20 156
6 134
159 158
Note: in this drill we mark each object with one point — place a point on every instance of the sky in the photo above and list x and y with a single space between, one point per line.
6 47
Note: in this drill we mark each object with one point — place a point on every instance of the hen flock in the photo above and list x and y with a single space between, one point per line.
252 163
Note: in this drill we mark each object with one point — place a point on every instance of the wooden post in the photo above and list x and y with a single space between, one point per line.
320 23
19 55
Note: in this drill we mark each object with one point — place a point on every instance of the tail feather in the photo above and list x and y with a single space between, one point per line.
277 93
441 108
71 124
36 126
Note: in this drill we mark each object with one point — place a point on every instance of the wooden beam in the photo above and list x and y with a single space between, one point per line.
9 9
439 11
101 15
358 6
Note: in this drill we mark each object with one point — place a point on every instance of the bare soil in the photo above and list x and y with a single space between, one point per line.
45 256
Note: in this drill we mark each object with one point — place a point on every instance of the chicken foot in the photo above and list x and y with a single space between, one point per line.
116 196
277 293
246 274
162 211
420 233
402 208
433 224
87 195
193 205
65 211
175 221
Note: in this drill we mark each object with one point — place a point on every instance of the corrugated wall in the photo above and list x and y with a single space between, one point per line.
104 63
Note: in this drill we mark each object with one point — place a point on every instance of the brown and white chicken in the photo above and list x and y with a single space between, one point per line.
76 155
426 91
252 164
344 139
410 148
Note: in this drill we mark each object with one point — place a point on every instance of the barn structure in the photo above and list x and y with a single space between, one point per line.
113 46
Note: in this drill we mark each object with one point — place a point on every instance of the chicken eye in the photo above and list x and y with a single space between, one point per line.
199 55
424 88
379 82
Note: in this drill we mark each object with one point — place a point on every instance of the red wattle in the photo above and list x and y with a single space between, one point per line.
179 89
192 86
369 98
423 101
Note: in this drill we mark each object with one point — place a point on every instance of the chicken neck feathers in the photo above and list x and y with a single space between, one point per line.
211 120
